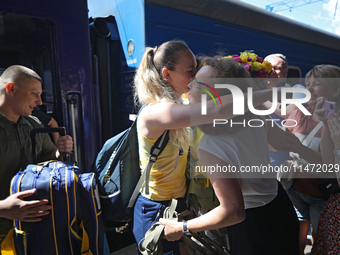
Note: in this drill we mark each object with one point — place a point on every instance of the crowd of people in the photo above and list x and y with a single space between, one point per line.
260 216
258 213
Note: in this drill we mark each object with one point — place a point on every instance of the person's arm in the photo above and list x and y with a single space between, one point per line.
15 208
293 144
64 145
278 138
230 211
156 118
334 130
289 109
55 136
286 141
326 143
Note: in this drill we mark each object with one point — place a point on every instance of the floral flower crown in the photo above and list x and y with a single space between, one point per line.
256 66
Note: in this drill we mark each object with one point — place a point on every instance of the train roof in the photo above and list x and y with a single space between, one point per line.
249 16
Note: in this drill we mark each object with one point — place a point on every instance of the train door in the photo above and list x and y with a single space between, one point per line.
112 76
53 39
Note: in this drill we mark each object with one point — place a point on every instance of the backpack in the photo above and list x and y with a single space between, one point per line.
119 175
200 194
74 225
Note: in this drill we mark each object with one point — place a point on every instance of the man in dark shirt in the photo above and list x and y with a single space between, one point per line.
20 90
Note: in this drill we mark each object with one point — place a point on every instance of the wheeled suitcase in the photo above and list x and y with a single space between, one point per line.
74 225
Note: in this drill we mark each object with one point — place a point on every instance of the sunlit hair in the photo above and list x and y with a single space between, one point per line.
151 87
328 76
17 74
201 61
231 71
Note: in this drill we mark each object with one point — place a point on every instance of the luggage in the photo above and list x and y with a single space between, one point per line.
91 215
74 224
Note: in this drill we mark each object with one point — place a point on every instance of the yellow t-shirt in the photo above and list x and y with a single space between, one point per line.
167 179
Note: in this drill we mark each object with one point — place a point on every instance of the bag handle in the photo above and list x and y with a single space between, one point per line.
151 243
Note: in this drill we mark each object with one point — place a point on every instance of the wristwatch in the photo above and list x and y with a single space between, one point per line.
185 229
336 152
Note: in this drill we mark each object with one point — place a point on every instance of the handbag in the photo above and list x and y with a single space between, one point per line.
286 174
329 186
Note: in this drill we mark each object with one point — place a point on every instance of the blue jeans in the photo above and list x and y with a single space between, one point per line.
307 207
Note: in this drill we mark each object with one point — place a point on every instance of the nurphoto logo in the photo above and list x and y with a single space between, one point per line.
239 103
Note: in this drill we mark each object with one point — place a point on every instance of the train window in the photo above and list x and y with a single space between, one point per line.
294 72
27 41
294 75
44 60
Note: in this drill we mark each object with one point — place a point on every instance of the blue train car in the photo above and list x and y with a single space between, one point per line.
87 52
208 27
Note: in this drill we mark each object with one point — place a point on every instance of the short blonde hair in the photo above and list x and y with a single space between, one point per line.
17 74
327 76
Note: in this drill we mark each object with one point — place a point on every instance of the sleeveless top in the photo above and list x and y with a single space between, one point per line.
245 150
167 175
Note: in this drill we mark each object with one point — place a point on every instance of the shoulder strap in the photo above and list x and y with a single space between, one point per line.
33 121
311 135
155 151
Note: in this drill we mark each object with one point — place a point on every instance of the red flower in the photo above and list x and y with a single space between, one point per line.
259 59
261 74
237 58
247 66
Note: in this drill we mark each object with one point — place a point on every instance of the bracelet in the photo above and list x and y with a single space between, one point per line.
185 228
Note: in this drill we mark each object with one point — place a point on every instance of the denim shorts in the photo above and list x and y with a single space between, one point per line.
307 207
147 212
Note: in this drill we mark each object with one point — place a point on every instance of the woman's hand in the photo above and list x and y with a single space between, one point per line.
334 128
172 229
319 111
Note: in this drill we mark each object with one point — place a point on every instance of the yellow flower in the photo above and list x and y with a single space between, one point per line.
253 57
227 57
256 66
267 66
244 58
244 54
